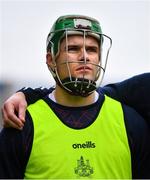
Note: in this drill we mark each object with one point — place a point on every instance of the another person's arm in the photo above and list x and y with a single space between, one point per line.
13 110
133 92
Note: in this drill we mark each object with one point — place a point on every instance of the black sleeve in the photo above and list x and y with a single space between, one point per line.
32 95
134 92
138 136
15 148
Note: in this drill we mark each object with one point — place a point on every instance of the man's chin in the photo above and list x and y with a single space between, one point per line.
85 77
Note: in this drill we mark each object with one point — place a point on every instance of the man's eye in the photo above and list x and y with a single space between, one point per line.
73 48
91 49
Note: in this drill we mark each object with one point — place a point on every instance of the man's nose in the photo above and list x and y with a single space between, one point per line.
84 55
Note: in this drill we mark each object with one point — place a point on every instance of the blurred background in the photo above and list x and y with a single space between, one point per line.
24 26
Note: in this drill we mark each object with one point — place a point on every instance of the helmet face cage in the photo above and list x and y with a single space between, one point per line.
83 26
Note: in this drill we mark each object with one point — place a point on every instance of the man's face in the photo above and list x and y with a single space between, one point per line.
81 56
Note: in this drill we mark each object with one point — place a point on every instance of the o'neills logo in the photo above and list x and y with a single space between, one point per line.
87 144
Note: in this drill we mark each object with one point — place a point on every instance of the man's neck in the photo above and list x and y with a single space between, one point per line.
64 98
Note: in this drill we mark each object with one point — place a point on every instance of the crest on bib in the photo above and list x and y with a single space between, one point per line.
83 168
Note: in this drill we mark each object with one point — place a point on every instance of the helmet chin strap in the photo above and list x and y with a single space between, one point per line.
78 86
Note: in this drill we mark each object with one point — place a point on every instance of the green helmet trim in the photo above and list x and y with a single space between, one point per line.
70 22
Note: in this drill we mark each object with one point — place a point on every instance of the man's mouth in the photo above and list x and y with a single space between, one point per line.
83 68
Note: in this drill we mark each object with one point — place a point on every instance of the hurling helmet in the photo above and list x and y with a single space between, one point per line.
84 26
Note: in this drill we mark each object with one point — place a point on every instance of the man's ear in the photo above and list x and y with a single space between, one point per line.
49 60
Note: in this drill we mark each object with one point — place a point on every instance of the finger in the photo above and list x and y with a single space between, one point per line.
9 116
13 125
5 118
21 112
9 123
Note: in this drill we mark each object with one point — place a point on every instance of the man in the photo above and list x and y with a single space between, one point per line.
75 132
